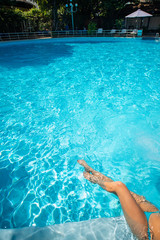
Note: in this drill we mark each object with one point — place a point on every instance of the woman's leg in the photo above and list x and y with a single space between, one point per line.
140 200
94 172
134 215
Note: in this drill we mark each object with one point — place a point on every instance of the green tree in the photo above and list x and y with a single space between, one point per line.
11 20
39 20
53 6
53 15
92 26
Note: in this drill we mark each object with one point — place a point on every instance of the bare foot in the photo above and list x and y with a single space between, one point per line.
95 173
91 177
96 180
85 165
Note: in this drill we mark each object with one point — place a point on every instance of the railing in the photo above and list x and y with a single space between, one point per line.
23 35
68 33
94 33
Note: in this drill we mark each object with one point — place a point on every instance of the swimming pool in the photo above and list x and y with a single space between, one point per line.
66 99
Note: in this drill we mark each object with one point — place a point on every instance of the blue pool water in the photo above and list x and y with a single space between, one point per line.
66 99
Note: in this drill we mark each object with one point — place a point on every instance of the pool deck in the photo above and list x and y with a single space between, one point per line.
96 229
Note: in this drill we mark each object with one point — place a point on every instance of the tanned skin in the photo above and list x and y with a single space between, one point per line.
133 205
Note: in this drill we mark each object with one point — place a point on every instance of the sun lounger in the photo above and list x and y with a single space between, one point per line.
113 31
100 30
123 32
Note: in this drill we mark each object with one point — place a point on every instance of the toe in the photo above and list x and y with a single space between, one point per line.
81 162
86 175
90 177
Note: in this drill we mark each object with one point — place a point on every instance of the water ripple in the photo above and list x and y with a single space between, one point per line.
91 101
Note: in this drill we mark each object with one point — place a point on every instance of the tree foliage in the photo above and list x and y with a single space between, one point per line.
38 20
92 26
10 21
15 20
103 11
53 15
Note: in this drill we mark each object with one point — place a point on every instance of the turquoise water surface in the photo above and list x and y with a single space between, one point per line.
66 99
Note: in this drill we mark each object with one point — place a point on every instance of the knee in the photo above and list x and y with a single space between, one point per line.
120 184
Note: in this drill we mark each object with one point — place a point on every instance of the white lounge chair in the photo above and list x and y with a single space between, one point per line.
123 31
100 30
113 31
